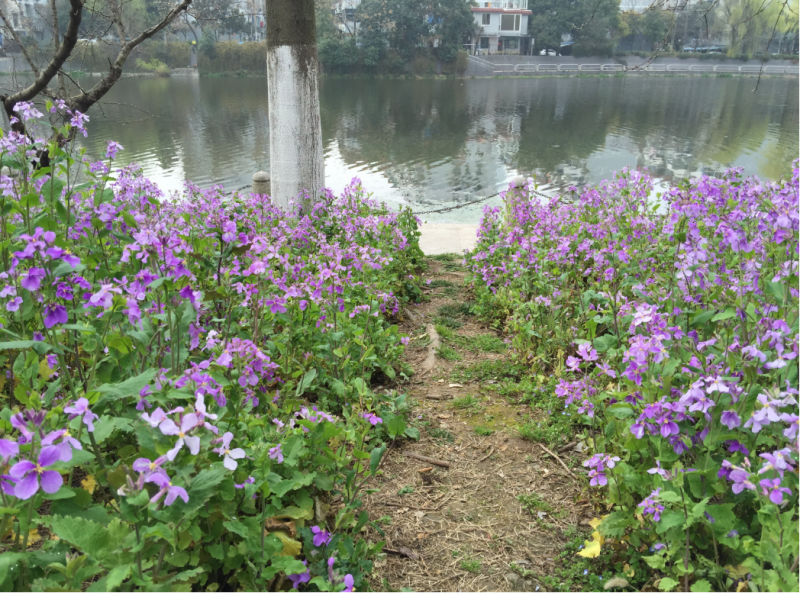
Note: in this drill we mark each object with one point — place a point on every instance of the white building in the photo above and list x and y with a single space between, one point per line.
345 16
29 19
502 27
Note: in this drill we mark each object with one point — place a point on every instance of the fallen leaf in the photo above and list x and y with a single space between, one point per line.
33 536
445 416
455 385
281 524
628 571
89 484
291 547
591 549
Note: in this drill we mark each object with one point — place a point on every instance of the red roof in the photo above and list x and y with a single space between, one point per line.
501 10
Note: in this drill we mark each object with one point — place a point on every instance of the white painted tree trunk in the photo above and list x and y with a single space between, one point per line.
295 142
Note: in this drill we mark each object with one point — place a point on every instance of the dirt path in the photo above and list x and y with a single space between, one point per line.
463 528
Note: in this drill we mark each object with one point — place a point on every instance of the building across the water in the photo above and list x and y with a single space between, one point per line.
502 27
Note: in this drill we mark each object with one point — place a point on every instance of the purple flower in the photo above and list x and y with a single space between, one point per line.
13 304
650 505
321 537
8 449
33 279
112 148
300 578
730 419
276 453
372 418
774 490
54 315
161 480
230 455
249 480
780 461
157 417
169 428
348 583
147 467
68 442
28 474
81 408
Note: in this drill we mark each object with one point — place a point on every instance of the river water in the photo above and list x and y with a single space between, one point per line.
437 142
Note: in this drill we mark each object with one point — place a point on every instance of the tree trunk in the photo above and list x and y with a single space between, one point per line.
295 134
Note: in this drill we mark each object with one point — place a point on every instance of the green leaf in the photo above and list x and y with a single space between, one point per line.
39 347
412 432
670 519
620 410
203 487
323 482
65 268
777 290
129 388
105 426
726 314
702 318
667 584
308 379
87 329
94 539
701 586
396 427
606 342
375 458
60 494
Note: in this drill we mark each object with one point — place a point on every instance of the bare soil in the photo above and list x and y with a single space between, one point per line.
462 528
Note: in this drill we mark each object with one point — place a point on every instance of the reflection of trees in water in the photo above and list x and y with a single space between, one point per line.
447 136
409 125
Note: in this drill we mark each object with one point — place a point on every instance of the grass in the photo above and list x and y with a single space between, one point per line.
440 434
455 310
488 369
553 433
444 257
447 353
448 322
444 332
481 343
484 431
465 403
439 283
470 565
533 503
407 489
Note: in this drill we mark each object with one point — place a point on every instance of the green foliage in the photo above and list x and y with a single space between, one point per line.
592 25
447 353
683 448
465 402
483 431
155 65
270 416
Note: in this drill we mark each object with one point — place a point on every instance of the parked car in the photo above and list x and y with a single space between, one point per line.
548 52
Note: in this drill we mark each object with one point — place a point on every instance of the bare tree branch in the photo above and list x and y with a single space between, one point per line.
60 56
766 49
83 101
14 34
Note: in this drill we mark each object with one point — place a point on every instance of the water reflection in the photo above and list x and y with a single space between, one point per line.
431 142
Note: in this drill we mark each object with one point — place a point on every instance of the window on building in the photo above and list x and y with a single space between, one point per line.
484 43
511 43
487 19
510 22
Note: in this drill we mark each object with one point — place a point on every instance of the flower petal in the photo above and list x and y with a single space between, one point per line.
51 481
27 486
